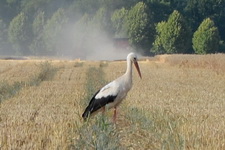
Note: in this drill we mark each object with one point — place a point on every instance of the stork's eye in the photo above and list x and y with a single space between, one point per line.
135 58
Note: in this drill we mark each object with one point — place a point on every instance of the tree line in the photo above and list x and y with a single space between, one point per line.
39 27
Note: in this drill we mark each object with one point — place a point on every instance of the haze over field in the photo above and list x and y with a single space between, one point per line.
91 45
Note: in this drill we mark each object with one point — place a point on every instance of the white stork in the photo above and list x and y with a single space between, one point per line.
112 94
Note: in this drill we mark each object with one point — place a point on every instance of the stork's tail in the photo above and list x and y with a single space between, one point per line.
86 113
89 108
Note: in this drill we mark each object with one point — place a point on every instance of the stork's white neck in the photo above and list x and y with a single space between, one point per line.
129 69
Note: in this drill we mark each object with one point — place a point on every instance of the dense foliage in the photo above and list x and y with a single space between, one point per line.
172 36
17 33
44 27
139 26
206 38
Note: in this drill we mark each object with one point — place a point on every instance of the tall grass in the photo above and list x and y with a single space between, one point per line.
95 80
8 91
98 132
78 64
150 130
47 71
175 106
157 129
215 62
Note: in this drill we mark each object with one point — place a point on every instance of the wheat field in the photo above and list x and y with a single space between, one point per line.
178 104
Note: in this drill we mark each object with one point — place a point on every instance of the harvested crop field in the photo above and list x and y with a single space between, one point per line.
178 104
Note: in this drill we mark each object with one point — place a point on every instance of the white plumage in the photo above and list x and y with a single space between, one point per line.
112 94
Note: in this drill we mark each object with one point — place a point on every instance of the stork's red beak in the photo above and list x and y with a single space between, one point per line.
137 67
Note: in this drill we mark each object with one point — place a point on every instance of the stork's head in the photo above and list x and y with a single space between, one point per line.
133 58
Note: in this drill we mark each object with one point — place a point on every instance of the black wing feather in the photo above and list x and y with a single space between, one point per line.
96 104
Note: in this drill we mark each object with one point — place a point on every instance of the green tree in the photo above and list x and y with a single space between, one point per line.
139 27
37 45
172 36
82 33
52 32
38 23
161 9
17 34
158 47
101 21
93 30
118 21
83 23
198 10
3 39
2 30
206 38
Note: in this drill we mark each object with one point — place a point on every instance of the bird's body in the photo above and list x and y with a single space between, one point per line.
112 94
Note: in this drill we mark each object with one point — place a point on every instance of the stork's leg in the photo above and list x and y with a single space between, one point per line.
114 115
